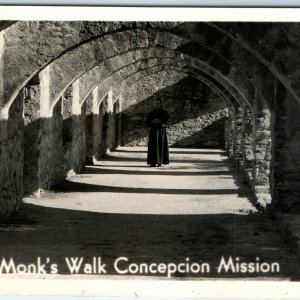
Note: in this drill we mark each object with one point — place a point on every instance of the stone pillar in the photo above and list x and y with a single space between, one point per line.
262 150
51 154
56 155
79 130
83 136
32 126
118 123
103 146
115 127
51 157
89 130
11 157
247 145
67 99
2 50
110 138
11 152
97 123
230 133
239 135
286 159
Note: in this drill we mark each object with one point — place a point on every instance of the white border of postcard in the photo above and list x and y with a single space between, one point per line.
138 286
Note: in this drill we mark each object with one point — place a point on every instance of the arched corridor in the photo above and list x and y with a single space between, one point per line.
73 143
198 181
192 208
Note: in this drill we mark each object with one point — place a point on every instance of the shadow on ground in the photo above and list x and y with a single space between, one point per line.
59 233
38 231
172 151
188 160
161 171
73 187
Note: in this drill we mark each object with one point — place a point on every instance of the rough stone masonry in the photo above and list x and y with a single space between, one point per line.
71 91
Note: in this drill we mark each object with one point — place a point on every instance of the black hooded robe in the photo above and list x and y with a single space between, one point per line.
158 151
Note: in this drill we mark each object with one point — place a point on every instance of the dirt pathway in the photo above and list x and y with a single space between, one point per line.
191 209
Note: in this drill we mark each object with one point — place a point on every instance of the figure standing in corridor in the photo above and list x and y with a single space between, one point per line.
158 151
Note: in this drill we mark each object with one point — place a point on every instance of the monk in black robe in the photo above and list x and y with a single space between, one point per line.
158 151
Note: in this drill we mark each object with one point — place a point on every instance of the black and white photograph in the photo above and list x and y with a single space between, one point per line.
150 150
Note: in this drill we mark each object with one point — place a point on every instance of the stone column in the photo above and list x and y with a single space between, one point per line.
103 145
3 112
79 130
262 150
114 131
11 146
97 123
67 99
110 138
89 130
118 123
247 145
11 157
239 135
32 127
51 157
286 152
230 132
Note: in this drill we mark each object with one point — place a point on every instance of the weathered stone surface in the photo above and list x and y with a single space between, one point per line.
98 113
115 69
89 130
63 71
287 156
104 113
51 154
118 131
238 135
67 99
248 143
65 35
11 159
193 110
263 145
230 133
44 41
31 137
79 141
257 74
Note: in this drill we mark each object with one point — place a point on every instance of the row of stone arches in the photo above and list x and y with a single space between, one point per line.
90 68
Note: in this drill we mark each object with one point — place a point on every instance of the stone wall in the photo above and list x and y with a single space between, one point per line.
51 149
205 131
196 116
11 157
287 154
137 61
31 137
